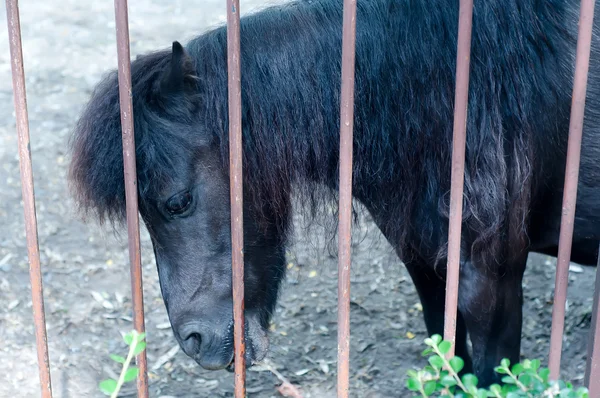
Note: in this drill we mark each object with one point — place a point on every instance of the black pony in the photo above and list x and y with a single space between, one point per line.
519 102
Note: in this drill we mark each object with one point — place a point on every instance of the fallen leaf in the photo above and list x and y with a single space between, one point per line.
287 389
324 366
100 299
575 269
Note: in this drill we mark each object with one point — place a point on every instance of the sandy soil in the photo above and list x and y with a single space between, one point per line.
68 45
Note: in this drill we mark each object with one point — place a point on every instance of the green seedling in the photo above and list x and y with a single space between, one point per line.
136 344
526 379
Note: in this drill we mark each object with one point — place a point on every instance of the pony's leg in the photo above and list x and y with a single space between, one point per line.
431 288
491 305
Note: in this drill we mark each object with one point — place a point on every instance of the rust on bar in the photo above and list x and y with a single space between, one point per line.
582 60
131 192
345 199
592 369
459 137
236 192
27 189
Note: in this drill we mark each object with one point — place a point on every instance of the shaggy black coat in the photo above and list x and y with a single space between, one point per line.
522 63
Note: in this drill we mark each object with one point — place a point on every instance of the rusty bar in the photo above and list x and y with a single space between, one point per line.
345 204
459 138
27 189
582 61
131 192
592 369
236 192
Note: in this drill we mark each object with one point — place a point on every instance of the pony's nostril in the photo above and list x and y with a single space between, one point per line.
207 344
195 337
190 341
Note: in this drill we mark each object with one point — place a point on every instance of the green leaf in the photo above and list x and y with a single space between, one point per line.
128 338
437 339
141 336
526 379
436 361
470 380
517 369
582 392
496 389
445 346
537 386
483 393
131 374
500 369
535 364
505 363
108 386
472 390
139 348
508 380
117 358
506 388
448 381
457 364
412 373
429 387
413 384
566 393
545 374
427 352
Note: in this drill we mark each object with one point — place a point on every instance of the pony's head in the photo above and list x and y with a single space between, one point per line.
183 187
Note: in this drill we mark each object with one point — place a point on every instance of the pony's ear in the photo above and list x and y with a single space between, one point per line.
180 75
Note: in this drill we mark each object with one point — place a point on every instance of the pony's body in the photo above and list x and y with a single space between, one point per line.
522 62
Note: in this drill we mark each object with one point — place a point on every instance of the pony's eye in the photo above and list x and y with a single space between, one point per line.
179 203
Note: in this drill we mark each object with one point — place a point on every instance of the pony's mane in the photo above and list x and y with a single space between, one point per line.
96 173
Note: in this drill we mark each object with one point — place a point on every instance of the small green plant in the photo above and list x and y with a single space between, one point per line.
136 344
526 379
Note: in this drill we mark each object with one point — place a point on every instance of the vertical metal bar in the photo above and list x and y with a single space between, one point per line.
345 199
236 191
131 191
27 189
465 23
592 369
582 60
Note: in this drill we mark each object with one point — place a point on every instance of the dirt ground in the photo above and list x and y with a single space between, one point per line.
68 45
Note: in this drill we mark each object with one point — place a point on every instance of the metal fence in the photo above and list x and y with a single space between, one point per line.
592 375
